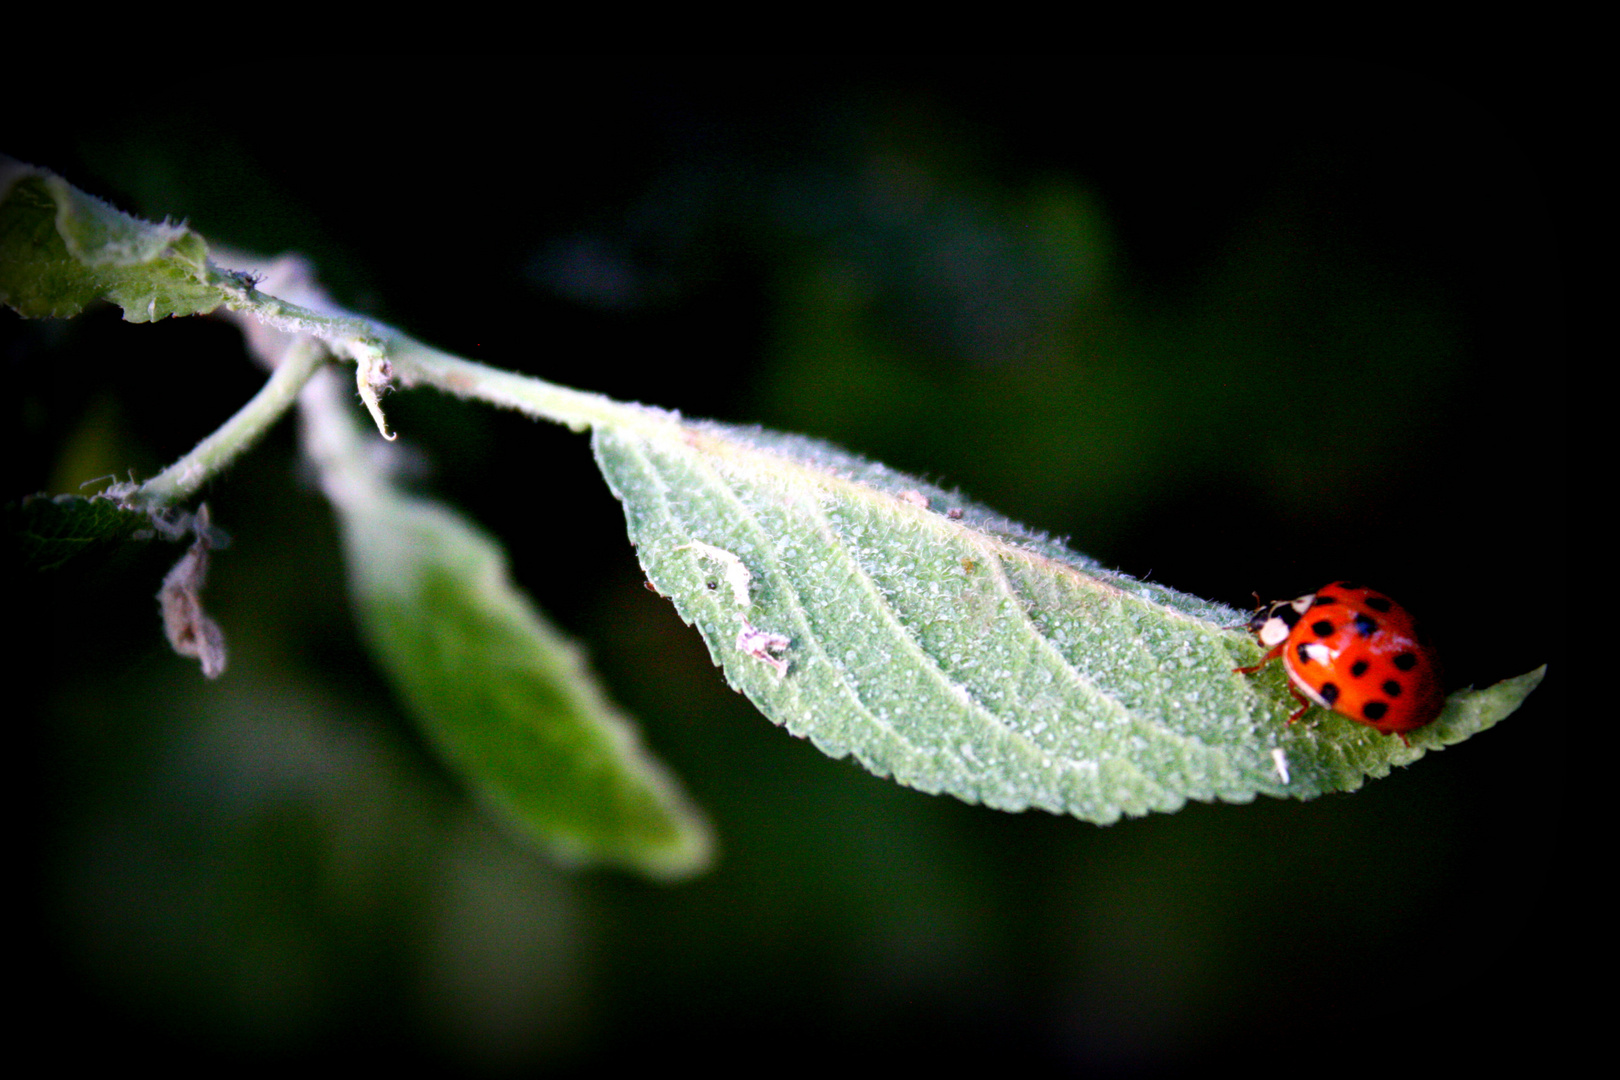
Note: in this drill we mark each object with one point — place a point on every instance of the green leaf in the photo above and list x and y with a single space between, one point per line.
60 249
49 533
958 652
506 698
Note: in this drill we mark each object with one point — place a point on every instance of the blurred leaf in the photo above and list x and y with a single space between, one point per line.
507 699
48 533
958 652
61 249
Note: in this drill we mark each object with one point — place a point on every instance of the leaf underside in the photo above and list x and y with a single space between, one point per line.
506 698
956 651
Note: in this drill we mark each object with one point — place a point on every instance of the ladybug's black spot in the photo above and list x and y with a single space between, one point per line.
1329 692
1374 710
1359 668
1366 625
1324 601
1303 653
1379 603
1406 661
1392 688
1349 586
1321 628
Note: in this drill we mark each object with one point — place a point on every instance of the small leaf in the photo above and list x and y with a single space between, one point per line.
60 249
507 699
50 532
958 652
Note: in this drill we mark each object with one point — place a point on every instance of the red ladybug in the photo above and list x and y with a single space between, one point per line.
1355 651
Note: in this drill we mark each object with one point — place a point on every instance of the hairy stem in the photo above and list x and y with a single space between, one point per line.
295 338
182 479
419 364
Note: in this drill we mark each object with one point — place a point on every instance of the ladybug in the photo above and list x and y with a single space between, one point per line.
1355 651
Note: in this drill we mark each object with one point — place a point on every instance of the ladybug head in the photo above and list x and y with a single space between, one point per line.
1273 622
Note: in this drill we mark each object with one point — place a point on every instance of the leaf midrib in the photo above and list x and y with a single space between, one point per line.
1079 683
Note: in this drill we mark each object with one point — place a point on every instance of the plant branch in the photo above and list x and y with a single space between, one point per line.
289 300
415 363
295 336
182 479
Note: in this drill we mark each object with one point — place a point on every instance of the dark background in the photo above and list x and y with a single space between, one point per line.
1235 324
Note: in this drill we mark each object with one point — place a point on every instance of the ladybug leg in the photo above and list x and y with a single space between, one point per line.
1305 704
1276 651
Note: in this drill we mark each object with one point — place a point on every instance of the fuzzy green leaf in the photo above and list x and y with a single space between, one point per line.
507 699
50 532
958 652
60 249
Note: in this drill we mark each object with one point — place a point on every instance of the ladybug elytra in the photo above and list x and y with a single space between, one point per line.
1355 651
